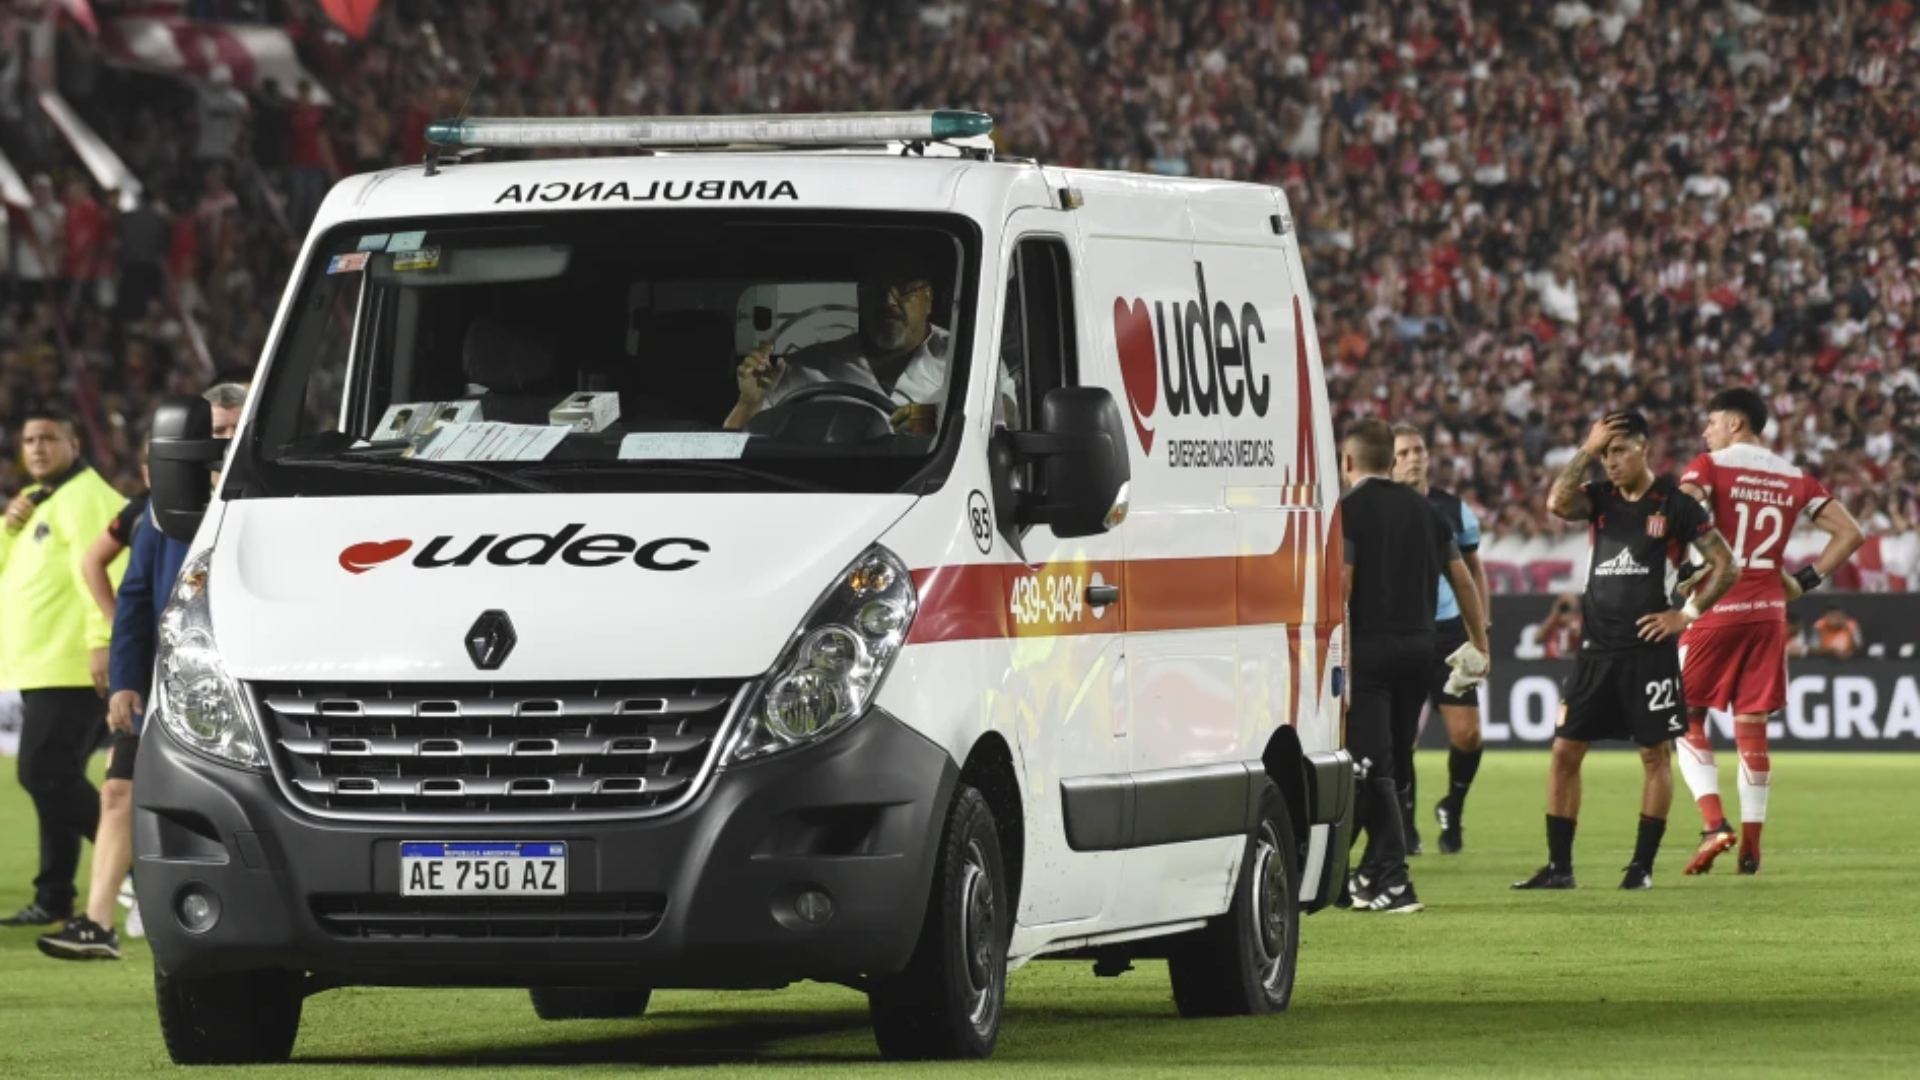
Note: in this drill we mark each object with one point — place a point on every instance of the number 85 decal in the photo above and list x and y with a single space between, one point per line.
980 522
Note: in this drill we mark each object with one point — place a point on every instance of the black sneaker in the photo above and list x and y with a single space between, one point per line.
1638 877
1548 877
1359 892
35 915
1449 820
1749 862
1398 900
81 939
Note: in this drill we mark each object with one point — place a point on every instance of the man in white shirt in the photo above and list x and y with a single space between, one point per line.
897 351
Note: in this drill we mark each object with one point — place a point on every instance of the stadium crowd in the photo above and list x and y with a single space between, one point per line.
1514 213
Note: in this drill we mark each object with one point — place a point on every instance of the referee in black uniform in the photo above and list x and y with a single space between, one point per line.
1397 547
1460 711
1626 682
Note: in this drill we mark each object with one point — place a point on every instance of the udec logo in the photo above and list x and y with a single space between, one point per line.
1209 367
531 549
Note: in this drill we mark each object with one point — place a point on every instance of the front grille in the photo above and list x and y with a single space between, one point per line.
601 916
418 752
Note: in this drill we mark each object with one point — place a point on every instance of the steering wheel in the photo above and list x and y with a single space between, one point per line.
866 395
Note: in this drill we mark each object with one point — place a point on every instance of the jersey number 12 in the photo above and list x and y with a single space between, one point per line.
1768 522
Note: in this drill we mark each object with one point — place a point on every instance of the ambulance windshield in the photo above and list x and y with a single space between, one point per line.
597 351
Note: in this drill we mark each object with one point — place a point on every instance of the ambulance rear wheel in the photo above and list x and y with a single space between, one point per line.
588 1003
1242 963
949 1001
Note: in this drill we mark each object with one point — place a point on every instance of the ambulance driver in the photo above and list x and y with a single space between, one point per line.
897 351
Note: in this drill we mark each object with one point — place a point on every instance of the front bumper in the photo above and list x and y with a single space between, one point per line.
702 897
1330 796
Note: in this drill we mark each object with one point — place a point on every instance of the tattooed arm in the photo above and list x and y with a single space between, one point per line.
1565 500
1721 570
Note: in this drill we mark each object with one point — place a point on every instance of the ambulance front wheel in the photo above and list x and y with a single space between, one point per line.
1242 963
949 1001
244 1018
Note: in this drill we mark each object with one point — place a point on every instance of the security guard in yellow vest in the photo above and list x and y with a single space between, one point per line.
49 625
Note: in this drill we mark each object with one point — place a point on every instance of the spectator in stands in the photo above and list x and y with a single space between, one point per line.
84 236
143 256
38 242
309 154
1837 635
1640 206
1560 631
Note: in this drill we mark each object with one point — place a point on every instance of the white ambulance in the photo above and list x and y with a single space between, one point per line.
762 549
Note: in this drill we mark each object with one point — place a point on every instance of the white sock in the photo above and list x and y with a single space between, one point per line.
1697 768
1753 794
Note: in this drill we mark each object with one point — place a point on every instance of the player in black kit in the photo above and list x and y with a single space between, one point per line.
1626 682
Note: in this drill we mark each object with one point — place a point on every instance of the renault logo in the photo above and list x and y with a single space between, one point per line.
490 640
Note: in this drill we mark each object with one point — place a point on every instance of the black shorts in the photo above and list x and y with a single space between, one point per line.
120 763
1449 634
1634 694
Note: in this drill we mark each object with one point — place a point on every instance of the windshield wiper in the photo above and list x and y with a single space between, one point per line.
464 471
681 466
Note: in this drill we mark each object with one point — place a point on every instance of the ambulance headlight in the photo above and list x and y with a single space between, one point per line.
833 667
193 697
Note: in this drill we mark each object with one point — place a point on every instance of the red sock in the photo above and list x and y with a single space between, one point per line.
1750 837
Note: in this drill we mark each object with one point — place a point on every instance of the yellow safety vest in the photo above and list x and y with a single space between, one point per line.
48 620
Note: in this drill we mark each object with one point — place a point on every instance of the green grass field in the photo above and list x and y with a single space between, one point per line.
1810 969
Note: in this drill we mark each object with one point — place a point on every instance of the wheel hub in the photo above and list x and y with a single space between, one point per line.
979 930
1270 905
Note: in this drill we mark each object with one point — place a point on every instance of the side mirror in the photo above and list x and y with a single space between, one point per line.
1081 456
181 461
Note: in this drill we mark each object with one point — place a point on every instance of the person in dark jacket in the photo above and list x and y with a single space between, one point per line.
153 566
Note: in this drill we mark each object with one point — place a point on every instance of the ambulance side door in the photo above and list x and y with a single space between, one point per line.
1066 673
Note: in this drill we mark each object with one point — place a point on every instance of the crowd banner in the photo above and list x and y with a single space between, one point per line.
1831 705
242 55
107 169
1869 702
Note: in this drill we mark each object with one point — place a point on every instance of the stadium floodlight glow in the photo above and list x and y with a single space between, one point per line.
771 129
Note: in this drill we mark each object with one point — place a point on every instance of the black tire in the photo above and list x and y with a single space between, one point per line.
588 1003
949 1001
246 1019
1242 963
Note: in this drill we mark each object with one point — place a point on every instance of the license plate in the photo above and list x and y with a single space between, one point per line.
483 869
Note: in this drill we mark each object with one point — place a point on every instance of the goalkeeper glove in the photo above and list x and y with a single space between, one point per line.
1469 668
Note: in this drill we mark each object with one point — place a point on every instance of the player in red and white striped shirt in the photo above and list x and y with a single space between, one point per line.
1735 656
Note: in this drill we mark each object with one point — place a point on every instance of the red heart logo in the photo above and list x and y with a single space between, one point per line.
1139 365
364 556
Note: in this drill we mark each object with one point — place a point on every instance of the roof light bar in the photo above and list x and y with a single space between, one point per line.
792 129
